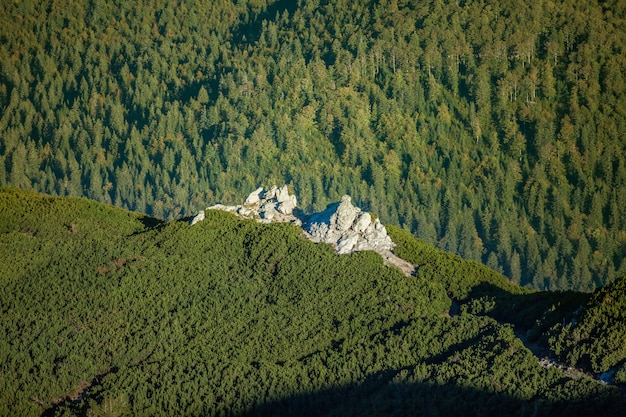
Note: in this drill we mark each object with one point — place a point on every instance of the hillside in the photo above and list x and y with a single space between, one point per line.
595 334
494 130
108 312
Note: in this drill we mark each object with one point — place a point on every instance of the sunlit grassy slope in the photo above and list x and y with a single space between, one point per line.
108 312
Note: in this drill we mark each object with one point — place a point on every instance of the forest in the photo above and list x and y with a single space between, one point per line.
108 312
493 130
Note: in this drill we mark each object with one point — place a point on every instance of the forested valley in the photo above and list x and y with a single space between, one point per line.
107 312
494 130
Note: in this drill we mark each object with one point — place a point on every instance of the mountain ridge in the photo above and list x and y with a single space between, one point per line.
235 317
341 224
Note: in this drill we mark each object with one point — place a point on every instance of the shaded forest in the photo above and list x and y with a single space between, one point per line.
493 130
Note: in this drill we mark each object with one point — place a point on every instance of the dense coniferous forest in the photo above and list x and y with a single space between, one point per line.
494 130
106 312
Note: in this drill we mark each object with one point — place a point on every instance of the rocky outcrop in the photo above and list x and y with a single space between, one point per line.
348 228
266 206
198 218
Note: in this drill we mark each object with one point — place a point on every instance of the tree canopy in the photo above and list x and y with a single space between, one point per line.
492 130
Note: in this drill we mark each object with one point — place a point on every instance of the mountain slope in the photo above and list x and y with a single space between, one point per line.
597 326
108 311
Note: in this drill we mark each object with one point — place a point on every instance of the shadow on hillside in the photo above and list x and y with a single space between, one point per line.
251 31
537 311
151 222
380 395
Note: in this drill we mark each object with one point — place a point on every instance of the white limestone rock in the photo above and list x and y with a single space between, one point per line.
347 243
268 211
267 206
254 197
282 194
270 194
342 224
362 222
198 218
287 207
348 228
247 212
317 231
230 209
343 218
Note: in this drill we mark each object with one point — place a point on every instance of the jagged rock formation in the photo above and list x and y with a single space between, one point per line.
342 224
273 205
348 228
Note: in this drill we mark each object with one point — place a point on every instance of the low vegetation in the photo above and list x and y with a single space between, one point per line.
594 335
107 312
